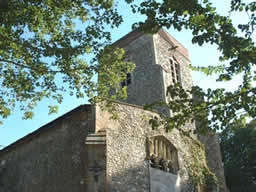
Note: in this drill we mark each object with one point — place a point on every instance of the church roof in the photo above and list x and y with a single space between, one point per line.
45 128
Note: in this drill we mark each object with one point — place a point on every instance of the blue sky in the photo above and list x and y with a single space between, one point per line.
14 127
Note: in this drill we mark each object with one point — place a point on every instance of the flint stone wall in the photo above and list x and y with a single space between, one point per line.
214 158
152 76
163 51
146 80
51 159
127 163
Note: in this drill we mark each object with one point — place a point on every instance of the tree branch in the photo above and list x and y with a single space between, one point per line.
37 70
5 38
19 43
28 67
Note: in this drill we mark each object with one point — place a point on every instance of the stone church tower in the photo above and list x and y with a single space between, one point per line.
87 151
160 61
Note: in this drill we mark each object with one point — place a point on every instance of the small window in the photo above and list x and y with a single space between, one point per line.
127 81
175 70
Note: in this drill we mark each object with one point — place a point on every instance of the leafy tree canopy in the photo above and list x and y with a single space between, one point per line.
43 50
238 57
238 147
40 45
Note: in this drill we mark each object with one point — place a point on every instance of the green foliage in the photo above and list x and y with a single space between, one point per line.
211 109
112 69
238 147
42 55
198 170
42 50
222 106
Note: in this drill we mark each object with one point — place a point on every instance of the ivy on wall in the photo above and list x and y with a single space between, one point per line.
198 170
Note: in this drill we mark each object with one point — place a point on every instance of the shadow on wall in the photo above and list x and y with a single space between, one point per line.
2 173
140 179
145 178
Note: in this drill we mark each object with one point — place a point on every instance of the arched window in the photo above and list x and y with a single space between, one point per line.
162 154
175 70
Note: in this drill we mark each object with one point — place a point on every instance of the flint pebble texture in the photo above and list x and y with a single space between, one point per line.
127 163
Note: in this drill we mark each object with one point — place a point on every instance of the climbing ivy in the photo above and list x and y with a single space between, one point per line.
196 164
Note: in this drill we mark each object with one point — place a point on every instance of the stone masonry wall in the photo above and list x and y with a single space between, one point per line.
127 163
52 159
147 81
162 58
214 159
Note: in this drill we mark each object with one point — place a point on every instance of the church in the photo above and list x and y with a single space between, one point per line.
85 150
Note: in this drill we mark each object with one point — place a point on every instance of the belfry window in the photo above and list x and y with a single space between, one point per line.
175 70
126 81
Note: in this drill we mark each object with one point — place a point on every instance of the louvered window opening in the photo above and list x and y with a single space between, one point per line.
175 70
